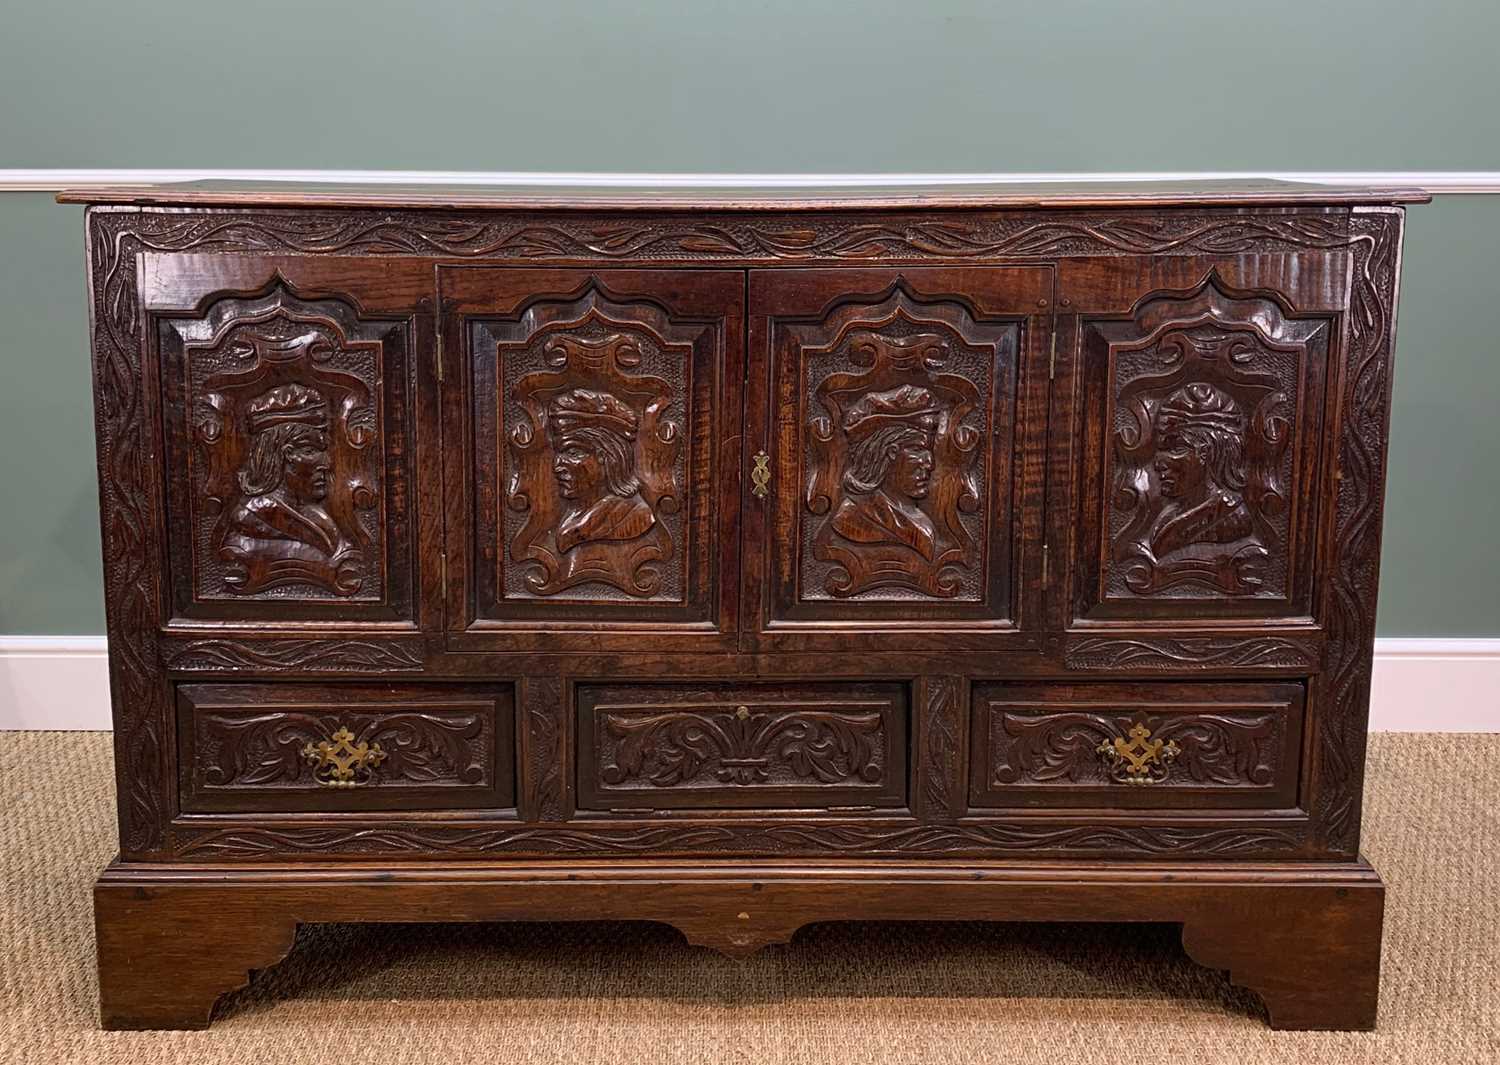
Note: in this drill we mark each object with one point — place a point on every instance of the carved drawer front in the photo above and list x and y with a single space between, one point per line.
286 398
1199 393
1168 745
891 492
691 746
359 747
593 465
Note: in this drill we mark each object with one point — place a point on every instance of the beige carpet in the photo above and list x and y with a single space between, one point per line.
507 994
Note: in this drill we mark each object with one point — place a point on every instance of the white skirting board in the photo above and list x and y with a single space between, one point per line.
1421 685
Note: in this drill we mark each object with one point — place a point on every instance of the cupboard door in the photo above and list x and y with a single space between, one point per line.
592 423
1187 437
891 503
288 412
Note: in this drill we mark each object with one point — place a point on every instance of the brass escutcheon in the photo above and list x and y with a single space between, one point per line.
1140 759
760 475
341 763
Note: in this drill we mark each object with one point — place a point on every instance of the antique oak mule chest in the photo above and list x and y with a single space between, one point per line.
740 561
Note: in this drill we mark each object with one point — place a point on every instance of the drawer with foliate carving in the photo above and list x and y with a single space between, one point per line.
737 745
345 747
1136 745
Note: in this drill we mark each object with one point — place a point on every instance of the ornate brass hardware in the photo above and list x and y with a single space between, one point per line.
1140 759
341 763
761 475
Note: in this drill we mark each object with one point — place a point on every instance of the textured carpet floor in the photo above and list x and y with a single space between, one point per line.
966 993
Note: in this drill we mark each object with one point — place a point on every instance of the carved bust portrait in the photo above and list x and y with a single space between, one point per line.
890 470
279 532
593 437
1201 470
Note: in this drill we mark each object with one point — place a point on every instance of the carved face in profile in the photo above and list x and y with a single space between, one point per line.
593 440
890 469
890 434
1201 449
280 533
289 448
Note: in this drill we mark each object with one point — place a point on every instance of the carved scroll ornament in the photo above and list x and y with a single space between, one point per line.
286 491
597 464
1205 411
896 462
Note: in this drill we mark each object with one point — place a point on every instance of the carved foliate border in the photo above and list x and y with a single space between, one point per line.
130 494
1101 840
130 517
940 721
1171 653
348 655
1341 698
735 237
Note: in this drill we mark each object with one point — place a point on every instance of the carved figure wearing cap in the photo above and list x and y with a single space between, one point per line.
890 467
593 438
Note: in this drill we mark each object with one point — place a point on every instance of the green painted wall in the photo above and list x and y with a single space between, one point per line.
812 85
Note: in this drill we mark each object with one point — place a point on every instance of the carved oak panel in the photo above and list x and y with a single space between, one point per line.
746 745
892 424
597 408
1202 420
330 747
288 442
1157 744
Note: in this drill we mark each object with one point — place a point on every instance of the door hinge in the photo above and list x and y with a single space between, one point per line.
443 570
1046 563
440 358
1052 355
848 809
632 809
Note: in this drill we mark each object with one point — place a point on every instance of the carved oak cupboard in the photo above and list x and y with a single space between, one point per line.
741 561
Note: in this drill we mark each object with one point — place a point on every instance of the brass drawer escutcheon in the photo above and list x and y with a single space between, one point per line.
1139 759
342 763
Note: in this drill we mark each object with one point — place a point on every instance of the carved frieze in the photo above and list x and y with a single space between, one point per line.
240 750
1135 744
292 747
741 746
1039 747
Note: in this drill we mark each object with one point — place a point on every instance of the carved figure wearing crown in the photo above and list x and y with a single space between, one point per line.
279 532
890 470
594 441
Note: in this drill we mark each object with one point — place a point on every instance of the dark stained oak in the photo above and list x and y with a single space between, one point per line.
740 559
1305 938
